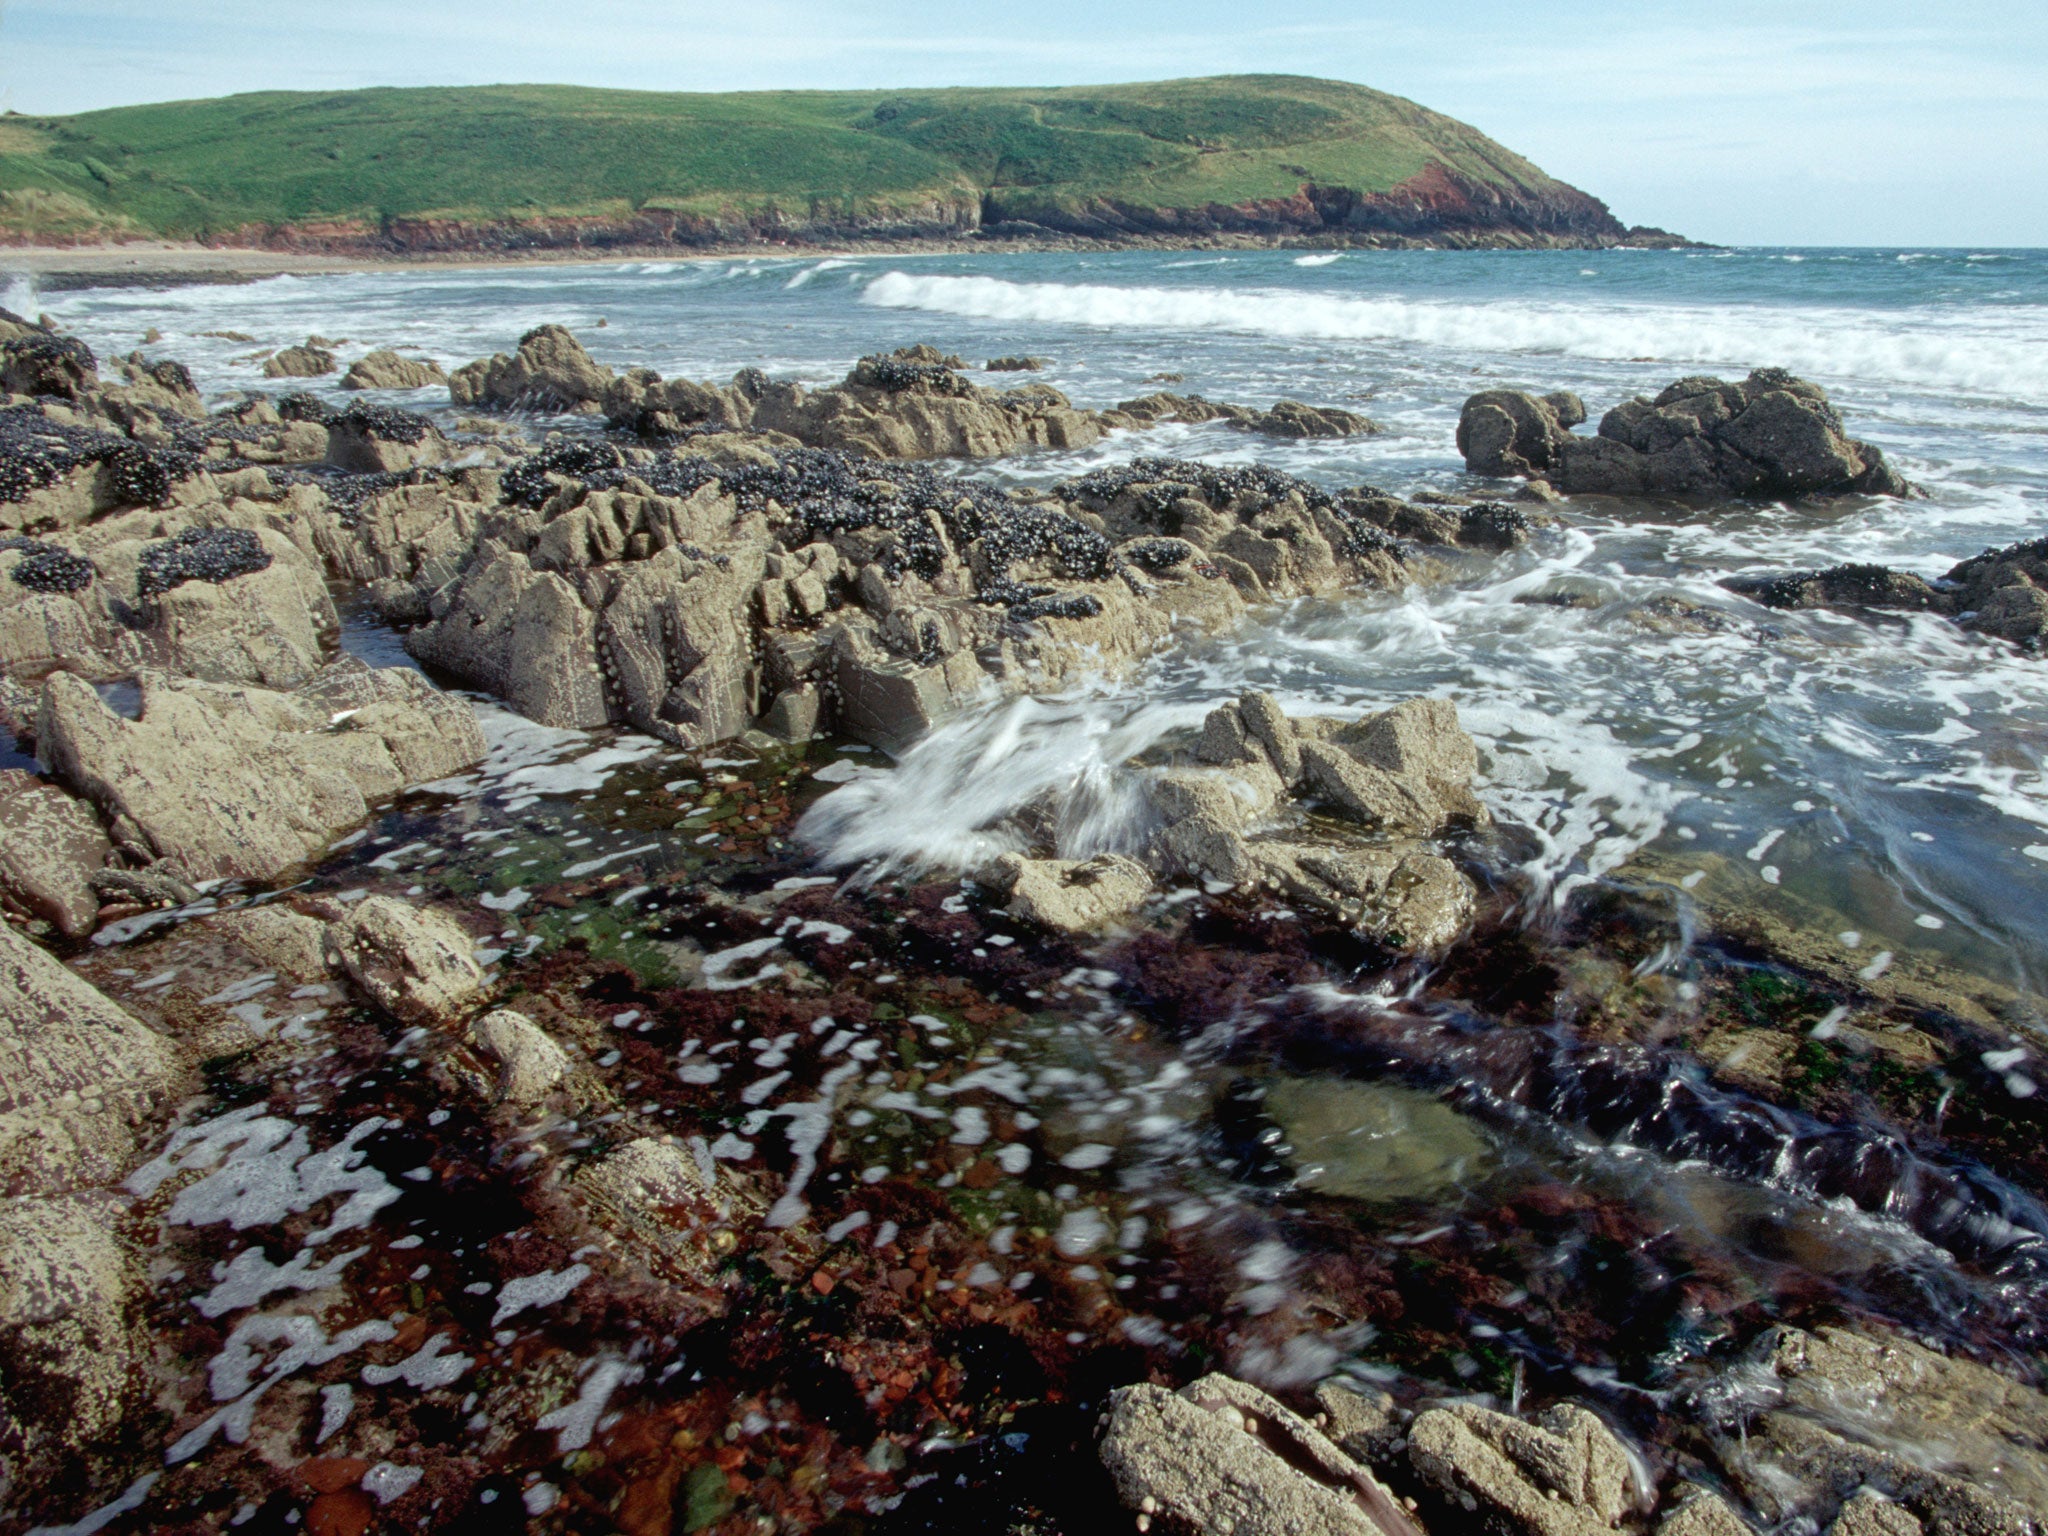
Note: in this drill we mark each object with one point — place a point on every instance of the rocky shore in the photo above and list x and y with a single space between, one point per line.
476 1110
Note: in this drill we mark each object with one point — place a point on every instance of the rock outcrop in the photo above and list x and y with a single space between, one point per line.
68 1367
1771 436
389 370
1224 1459
1952 1445
416 965
249 782
1069 895
690 595
551 371
2002 592
302 362
1563 1475
76 1072
1243 816
51 846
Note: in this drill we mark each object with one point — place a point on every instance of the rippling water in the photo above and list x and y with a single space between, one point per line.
1884 773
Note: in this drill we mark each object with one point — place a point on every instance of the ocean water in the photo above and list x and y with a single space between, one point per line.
1888 770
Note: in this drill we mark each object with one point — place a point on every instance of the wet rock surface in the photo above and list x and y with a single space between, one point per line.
1770 436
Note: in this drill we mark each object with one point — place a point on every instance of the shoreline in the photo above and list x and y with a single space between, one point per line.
169 264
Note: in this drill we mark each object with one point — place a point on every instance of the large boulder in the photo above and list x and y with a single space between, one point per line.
386 369
1222 1458
2004 592
50 848
1770 436
238 782
303 362
75 1072
550 372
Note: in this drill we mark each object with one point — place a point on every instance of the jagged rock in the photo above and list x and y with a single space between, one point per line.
1016 364
74 1070
1364 1424
1770 436
1872 1514
50 848
1070 895
1224 1459
306 362
908 406
550 372
529 1063
1287 418
2000 592
1705 1513
414 963
1564 1475
1841 586
1406 770
67 1356
382 440
521 634
246 782
261 615
1840 1406
39 363
386 369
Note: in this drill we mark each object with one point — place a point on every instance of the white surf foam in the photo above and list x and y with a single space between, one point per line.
2005 354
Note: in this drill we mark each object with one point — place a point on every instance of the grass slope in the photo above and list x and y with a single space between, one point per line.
206 168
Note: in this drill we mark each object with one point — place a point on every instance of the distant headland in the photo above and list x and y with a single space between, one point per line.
498 171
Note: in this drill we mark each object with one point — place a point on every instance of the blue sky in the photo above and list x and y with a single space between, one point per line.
1751 121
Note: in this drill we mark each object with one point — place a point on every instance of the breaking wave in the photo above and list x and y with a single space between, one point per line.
2005 353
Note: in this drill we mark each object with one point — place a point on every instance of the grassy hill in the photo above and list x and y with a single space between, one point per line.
481 163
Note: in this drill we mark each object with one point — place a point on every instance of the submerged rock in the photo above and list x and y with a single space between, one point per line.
1770 436
1953 1444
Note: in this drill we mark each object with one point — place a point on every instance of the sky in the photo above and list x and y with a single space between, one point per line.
1761 122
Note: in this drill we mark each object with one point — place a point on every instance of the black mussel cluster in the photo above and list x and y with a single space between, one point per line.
47 365
200 554
386 423
36 452
1493 525
900 375
48 568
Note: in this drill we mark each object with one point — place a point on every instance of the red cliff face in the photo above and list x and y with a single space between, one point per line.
1435 207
